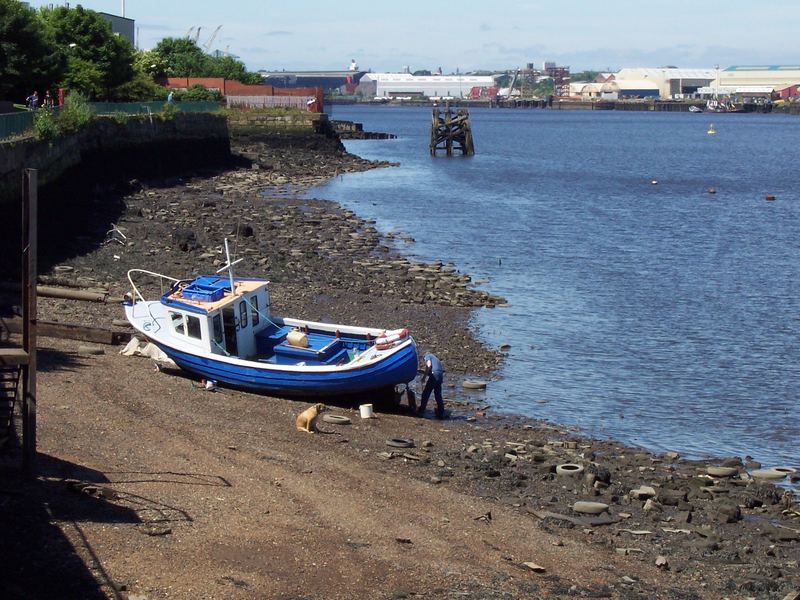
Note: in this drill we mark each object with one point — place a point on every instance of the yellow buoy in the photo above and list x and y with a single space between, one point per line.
711 130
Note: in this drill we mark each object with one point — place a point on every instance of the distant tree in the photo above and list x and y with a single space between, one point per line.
230 68
198 93
182 57
421 72
584 76
27 58
141 87
97 60
503 80
544 88
83 76
150 62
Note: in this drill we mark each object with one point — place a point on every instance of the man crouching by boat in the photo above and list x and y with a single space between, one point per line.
434 374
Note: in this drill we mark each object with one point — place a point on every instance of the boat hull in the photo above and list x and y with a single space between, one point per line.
396 368
336 360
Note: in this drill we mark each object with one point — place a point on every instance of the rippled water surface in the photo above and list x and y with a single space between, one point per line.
660 315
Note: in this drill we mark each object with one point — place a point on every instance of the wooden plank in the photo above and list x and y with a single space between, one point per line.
69 331
13 357
30 218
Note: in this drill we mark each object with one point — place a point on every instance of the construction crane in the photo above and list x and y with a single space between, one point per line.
189 33
207 45
508 92
196 35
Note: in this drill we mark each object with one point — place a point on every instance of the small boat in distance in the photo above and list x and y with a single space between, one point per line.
711 130
722 106
221 328
695 109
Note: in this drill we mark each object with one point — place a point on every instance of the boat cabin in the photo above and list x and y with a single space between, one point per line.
206 314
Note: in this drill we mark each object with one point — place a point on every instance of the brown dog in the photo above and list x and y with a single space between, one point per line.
307 420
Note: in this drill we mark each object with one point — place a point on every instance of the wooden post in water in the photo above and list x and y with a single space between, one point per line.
451 131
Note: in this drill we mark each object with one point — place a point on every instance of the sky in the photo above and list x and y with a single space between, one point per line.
472 35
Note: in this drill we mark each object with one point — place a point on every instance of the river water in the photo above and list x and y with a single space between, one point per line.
657 314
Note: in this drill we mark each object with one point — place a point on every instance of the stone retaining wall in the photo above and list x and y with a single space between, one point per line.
254 121
141 146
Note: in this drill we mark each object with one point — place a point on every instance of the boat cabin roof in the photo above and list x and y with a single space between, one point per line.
208 293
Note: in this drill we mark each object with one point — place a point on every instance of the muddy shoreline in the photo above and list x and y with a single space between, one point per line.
464 509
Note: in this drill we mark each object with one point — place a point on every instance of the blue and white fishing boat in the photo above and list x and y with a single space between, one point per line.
221 328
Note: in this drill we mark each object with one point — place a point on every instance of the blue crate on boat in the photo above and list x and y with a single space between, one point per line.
206 289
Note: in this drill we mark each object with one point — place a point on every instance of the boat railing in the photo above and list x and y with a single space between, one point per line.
138 295
161 277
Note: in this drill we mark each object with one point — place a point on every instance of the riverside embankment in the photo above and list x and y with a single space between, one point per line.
153 488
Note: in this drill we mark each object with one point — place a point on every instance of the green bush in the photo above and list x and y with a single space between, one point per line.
46 125
198 93
120 117
169 112
75 113
52 123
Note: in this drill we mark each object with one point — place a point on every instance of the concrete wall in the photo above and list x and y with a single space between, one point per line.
138 147
254 121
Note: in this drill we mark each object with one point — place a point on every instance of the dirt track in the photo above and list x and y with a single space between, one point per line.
153 488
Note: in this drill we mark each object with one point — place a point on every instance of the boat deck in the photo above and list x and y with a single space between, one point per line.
323 348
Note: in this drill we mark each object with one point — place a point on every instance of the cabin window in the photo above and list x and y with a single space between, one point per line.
217 326
254 311
177 322
242 314
193 327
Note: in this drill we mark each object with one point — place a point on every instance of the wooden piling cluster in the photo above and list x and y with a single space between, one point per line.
451 131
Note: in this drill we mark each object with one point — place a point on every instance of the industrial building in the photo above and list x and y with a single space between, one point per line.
608 90
327 80
776 76
744 81
663 83
401 85
121 26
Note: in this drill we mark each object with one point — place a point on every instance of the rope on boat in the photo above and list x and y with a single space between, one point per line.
221 347
261 314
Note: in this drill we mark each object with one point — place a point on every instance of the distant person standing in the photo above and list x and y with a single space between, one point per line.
33 100
434 372
171 97
48 100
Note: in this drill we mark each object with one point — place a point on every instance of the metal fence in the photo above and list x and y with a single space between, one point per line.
138 108
15 123
301 102
12 124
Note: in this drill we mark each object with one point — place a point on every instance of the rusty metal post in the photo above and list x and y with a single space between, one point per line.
29 275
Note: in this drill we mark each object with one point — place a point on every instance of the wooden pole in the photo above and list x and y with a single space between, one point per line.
29 268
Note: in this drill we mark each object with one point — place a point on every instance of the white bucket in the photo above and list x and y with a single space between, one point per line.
366 411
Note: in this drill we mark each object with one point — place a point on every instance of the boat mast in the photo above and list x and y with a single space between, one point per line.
229 266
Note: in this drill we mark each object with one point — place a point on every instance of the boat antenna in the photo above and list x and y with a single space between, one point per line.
229 266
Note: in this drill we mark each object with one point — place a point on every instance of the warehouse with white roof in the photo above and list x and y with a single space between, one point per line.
399 85
666 82
776 76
